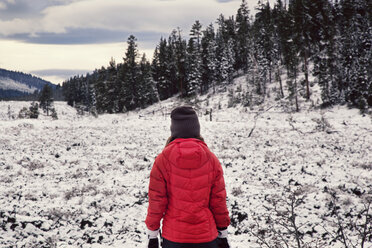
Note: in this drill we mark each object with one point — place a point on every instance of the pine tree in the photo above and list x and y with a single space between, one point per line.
356 51
301 25
230 57
91 95
209 59
131 71
292 74
69 91
46 98
264 46
181 61
327 67
194 80
147 91
112 88
225 65
225 50
177 56
292 63
243 44
100 87
172 68
196 34
34 110
155 67
278 20
120 86
87 91
161 71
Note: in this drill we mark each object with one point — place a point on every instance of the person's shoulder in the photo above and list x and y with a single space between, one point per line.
159 157
165 153
216 161
211 154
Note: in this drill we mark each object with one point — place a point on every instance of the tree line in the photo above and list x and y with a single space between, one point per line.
330 40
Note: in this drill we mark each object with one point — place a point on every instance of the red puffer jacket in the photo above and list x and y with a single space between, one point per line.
187 190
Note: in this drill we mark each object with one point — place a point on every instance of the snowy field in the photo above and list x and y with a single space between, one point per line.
81 181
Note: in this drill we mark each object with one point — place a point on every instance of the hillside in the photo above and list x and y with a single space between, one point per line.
17 84
82 181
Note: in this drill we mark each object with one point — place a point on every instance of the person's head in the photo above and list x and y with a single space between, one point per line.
184 124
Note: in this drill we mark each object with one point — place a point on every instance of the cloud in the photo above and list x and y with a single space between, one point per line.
4 4
134 15
45 24
22 9
59 72
85 36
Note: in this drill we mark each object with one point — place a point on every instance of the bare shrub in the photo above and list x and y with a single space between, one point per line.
30 197
349 224
57 214
31 165
346 223
26 125
71 193
75 191
11 115
54 114
51 242
322 124
365 166
279 226
236 191
107 192
24 113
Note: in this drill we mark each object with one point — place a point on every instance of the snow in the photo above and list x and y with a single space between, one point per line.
9 84
82 181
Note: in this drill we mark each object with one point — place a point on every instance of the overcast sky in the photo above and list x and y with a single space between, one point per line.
56 39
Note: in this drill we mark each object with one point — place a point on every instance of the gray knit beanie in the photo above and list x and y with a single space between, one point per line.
185 123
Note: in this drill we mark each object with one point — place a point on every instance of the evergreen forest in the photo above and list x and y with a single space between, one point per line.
296 44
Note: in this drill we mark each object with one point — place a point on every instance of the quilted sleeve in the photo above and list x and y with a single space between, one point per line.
157 195
217 203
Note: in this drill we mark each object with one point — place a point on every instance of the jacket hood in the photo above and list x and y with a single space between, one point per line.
187 153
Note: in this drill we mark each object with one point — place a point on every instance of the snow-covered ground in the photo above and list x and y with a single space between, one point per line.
81 181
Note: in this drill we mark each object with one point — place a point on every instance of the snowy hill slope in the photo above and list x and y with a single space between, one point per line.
9 84
81 181
15 84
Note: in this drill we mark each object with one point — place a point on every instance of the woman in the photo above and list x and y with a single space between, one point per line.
187 190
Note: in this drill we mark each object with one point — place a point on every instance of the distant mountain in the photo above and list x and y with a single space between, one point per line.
15 84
